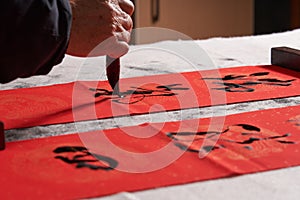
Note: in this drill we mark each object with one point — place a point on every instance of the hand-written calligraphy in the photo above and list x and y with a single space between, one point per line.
247 83
137 94
84 159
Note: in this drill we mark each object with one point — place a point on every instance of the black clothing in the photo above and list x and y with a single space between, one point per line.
34 36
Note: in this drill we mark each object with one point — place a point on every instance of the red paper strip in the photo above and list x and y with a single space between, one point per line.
94 100
168 154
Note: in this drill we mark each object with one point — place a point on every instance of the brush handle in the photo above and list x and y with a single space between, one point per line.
113 72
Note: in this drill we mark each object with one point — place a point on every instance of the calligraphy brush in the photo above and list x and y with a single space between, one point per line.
113 73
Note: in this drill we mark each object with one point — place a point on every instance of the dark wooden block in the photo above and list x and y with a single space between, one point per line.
2 136
286 57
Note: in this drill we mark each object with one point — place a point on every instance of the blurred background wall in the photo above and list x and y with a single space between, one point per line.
200 19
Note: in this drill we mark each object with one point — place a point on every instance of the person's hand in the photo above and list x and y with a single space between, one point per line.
105 24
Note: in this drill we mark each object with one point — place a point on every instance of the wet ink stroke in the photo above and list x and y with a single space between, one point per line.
137 94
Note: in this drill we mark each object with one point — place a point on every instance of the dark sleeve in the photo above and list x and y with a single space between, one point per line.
34 36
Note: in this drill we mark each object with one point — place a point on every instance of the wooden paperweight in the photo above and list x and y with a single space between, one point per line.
286 57
2 137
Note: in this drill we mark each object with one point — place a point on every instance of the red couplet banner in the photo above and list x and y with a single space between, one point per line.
79 101
101 163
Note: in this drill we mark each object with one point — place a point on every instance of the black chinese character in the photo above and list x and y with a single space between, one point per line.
81 157
137 94
246 83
